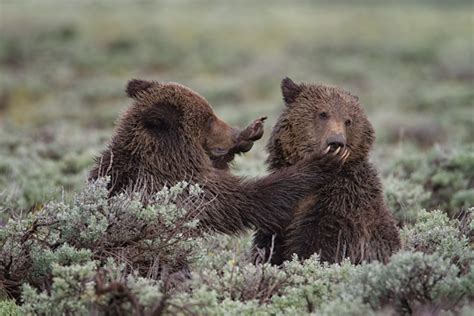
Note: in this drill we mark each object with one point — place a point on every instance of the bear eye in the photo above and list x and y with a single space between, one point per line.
323 115
348 123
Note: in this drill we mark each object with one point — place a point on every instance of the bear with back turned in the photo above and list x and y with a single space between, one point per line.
345 217
170 133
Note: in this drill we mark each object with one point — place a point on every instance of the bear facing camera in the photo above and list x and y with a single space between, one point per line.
346 217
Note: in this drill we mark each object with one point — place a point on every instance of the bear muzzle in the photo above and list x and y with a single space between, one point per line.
336 141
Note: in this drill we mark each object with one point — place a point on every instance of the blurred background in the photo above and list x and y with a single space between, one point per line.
64 66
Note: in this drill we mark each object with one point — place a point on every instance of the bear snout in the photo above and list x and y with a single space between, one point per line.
336 141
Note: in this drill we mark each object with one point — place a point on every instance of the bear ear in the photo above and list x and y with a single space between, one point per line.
290 90
135 86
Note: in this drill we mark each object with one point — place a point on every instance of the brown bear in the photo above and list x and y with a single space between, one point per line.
345 217
170 133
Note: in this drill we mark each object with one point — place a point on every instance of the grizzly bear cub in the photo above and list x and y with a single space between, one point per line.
345 217
170 133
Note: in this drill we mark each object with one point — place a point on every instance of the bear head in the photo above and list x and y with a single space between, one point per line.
318 119
167 113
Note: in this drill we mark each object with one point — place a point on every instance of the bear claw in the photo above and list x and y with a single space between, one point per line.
345 155
254 131
246 138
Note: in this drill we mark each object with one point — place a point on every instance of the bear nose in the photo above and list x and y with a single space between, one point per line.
335 141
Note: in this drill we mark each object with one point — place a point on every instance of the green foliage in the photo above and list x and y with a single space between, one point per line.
67 242
70 284
434 232
404 198
36 168
9 308
94 254
441 179
413 282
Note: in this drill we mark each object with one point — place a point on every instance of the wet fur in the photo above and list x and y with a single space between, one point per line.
345 217
161 139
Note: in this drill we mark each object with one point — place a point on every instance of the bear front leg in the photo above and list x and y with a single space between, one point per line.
249 135
314 231
385 241
244 143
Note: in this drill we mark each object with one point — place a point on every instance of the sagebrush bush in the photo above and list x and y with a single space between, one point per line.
435 275
38 167
9 308
434 232
404 198
442 179
145 255
413 282
60 249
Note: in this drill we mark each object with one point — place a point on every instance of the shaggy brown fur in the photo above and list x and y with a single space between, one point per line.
345 217
170 134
